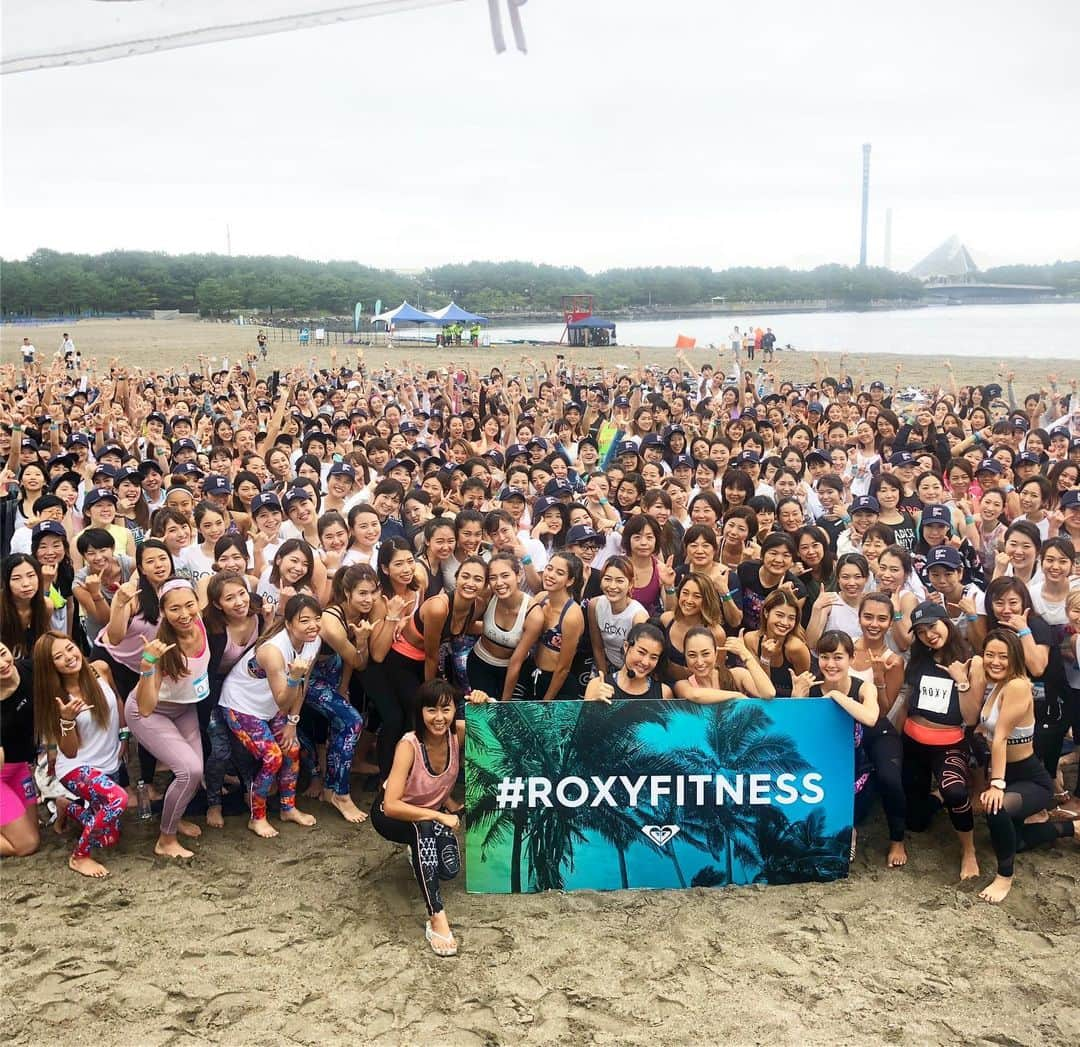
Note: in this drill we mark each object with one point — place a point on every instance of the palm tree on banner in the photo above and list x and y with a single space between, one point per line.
604 739
503 741
667 812
737 740
799 851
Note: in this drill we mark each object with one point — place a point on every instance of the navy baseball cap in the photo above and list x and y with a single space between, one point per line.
66 460
556 488
927 613
183 444
408 427
626 447
98 494
590 440
750 457
79 438
901 459
877 385
134 475
516 450
265 501
509 494
217 484
652 440
989 465
937 514
105 469
1028 458
622 401
1020 425
295 494
537 441
945 556
1060 430
187 469
399 463
53 527
682 461
819 456
583 534
1070 500
816 408
342 469
541 505
866 503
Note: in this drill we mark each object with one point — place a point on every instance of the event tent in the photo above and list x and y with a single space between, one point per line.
590 330
404 314
454 314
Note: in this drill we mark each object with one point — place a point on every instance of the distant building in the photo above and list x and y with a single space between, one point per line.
950 274
950 261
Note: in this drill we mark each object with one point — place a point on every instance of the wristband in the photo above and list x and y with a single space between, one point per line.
526 560
971 617
292 719
149 672
125 733
150 659
603 501
669 589
726 598
969 520
998 783
898 616
1022 633
293 683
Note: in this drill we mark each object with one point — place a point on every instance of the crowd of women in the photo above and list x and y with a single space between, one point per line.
249 589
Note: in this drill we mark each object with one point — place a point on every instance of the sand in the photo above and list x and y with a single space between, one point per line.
160 343
317 936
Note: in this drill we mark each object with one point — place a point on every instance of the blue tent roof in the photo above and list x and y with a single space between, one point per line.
405 314
453 313
592 323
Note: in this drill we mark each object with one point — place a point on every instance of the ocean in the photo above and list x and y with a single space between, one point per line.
986 331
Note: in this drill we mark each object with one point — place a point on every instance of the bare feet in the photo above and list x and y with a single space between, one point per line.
997 890
315 787
61 825
188 829
969 865
897 855
349 811
214 818
291 814
261 827
169 847
88 867
1037 818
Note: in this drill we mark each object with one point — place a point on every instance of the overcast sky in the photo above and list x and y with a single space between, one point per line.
635 132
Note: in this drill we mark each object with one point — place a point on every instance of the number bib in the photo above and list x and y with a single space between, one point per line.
934 694
201 686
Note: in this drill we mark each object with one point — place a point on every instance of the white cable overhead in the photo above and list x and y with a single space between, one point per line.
43 34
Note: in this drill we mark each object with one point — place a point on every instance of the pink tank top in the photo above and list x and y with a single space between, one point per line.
424 789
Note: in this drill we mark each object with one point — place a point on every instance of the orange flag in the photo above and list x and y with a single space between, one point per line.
683 342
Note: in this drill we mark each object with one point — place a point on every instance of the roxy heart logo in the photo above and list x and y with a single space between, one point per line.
660 834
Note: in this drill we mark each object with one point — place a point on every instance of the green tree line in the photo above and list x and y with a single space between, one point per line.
55 283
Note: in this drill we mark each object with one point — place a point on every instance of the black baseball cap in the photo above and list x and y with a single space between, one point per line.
927 613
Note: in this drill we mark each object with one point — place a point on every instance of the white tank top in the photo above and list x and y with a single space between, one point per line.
99 747
844 618
247 690
614 628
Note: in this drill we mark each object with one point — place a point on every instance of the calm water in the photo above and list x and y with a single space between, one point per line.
993 331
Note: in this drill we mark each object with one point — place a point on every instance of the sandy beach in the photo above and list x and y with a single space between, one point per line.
160 343
317 936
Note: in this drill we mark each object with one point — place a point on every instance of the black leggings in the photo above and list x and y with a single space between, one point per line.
1029 788
886 751
432 846
484 677
1051 726
533 684
949 765
390 687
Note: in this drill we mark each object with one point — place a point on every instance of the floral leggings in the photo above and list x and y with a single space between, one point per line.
99 807
345 722
262 738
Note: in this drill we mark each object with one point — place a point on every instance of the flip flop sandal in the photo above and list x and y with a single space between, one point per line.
441 944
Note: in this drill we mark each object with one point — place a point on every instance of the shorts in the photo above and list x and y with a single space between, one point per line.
17 792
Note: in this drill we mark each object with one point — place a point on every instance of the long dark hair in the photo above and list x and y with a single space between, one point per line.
149 609
11 631
956 648
293 545
392 545
576 568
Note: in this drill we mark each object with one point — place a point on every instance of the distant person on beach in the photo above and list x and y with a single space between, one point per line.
768 342
736 342
263 348
748 344
28 351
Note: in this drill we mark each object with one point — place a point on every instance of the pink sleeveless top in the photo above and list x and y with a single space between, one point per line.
424 789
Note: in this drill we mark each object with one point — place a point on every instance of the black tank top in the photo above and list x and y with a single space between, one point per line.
655 691
934 694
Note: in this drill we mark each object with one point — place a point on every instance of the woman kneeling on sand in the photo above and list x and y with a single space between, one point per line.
415 807
261 700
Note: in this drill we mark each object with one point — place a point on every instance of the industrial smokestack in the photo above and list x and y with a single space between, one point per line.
888 238
865 201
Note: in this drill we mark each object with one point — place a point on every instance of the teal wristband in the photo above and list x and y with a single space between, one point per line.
1023 632
971 617
898 616
969 520
526 561
293 683
151 672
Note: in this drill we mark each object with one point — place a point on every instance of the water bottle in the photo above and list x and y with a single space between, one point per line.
143 793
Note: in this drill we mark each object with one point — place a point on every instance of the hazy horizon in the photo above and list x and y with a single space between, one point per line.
629 135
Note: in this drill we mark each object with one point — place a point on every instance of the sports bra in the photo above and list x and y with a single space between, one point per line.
508 638
655 691
552 638
675 656
447 633
326 650
781 675
1019 735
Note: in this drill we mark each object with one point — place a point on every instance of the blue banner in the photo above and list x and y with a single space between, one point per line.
358 315
583 795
